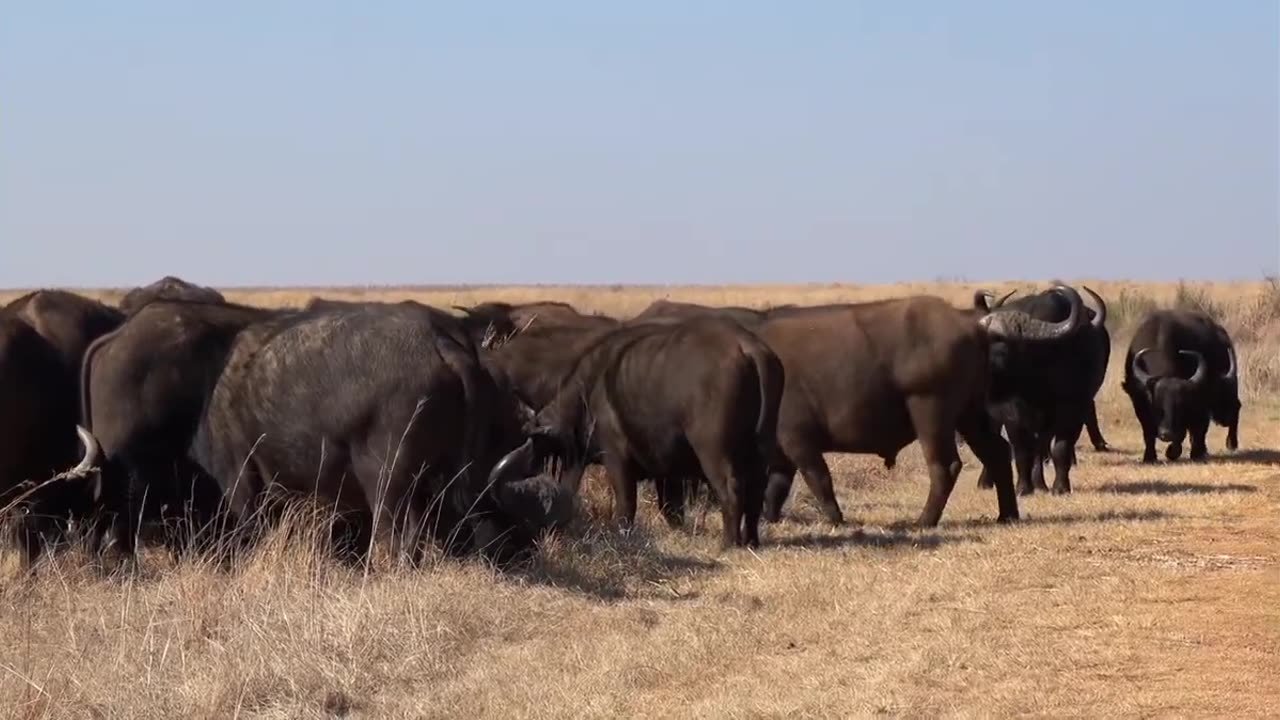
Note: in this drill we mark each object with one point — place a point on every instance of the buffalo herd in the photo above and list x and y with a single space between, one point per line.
190 422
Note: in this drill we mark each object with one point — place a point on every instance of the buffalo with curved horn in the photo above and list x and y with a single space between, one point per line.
1181 373
1048 359
43 336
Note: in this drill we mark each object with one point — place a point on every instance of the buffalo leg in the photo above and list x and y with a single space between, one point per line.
623 480
1233 439
1063 454
128 514
1043 447
754 475
942 457
1091 425
1024 459
817 475
777 490
993 452
1143 413
395 515
1198 432
727 484
671 499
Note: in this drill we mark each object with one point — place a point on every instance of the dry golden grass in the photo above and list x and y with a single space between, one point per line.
1151 591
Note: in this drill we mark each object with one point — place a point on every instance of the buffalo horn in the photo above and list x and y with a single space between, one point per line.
1018 324
1140 367
1232 369
1197 378
1098 306
515 465
91 452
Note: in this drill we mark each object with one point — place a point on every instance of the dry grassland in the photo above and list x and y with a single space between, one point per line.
1151 591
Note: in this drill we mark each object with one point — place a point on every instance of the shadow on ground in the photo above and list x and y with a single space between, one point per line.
1075 518
1167 487
1257 456
888 538
611 565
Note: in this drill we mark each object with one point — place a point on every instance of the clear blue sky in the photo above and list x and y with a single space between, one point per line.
241 143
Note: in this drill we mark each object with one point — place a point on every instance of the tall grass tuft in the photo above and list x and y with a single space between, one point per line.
1128 309
1192 297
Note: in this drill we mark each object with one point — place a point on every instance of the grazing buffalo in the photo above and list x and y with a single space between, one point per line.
748 317
668 401
168 288
43 336
380 411
871 378
1044 376
69 322
1181 372
37 414
491 323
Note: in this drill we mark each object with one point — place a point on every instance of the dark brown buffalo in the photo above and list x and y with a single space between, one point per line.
168 288
42 338
1181 373
871 378
379 410
1042 384
748 317
493 323
37 414
669 400
986 301
69 322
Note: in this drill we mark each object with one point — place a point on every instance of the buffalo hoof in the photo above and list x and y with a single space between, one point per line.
1232 443
833 516
1061 490
984 481
771 515
1173 452
1026 489
1199 454
1007 519
1149 457
1101 447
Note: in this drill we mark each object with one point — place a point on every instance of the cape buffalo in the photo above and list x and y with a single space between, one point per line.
168 288
986 301
1181 372
492 323
871 378
379 410
1043 383
37 414
669 400
43 336
69 322
748 317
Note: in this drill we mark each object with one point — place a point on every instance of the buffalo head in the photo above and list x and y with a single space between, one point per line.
523 503
1173 398
1012 323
